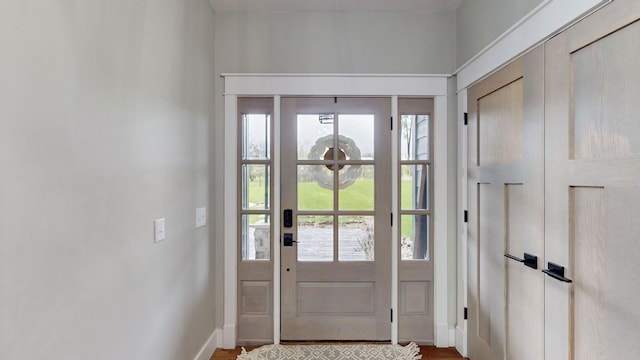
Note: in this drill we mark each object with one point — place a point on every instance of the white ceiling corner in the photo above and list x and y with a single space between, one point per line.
335 5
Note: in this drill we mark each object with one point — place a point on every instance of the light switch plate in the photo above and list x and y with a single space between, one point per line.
201 217
159 229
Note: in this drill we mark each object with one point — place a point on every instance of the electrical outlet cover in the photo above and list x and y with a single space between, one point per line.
159 229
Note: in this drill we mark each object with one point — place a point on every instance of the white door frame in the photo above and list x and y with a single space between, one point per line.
277 85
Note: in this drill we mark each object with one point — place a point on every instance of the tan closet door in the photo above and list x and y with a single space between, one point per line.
506 211
335 181
593 187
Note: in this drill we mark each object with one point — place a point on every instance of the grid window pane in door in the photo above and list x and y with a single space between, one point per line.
357 190
356 238
256 237
256 136
356 136
315 135
315 238
414 140
255 189
414 240
315 187
414 189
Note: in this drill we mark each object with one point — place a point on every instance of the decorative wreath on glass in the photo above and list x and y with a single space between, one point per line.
347 149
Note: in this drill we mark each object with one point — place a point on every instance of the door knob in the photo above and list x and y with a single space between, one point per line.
287 239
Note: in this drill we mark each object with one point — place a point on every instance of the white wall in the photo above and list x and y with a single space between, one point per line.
453 213
481 22
104 117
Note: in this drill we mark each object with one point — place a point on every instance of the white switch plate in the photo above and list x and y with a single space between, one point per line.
159 229
201 217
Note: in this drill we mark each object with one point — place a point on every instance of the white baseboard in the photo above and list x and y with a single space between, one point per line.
442 335
452 336
461 341
229 337
213 342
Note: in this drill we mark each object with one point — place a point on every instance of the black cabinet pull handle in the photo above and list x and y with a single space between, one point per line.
514 258
529 260
557 272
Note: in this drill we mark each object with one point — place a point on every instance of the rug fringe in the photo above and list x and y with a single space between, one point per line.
413 350
243 354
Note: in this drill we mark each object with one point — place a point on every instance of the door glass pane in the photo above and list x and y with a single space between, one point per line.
356 136
255 187
315 238
256 135
315 187
414 190
315 136
256 237
414 237
414 142
356 187
355 238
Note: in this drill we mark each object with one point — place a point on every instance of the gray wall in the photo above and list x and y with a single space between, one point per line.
481 22
337 42
104 115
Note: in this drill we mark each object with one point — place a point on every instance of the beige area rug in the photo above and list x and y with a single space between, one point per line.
333 352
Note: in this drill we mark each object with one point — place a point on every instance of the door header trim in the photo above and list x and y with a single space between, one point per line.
335 85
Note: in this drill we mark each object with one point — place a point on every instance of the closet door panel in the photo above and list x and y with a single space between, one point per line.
506 173
592 177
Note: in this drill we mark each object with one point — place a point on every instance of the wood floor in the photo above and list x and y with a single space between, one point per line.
428 353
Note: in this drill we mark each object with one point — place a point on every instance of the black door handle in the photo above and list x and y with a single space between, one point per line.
529 260
287 239
556 271
513 257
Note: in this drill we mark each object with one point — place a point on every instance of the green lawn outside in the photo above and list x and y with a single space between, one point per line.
358 196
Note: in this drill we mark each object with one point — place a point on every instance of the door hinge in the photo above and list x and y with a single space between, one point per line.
466 119
466 216
391 315
466 315
391 216
392 123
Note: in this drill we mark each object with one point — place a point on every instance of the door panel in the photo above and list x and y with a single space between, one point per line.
255 265
525 295
489 260
500 125
588 246
592 177
415 254
336 277
506 212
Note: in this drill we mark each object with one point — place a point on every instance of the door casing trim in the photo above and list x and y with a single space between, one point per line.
393 86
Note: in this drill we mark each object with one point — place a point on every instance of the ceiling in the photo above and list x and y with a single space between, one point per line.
335 5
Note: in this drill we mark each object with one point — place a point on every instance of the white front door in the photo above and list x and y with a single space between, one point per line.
336 230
